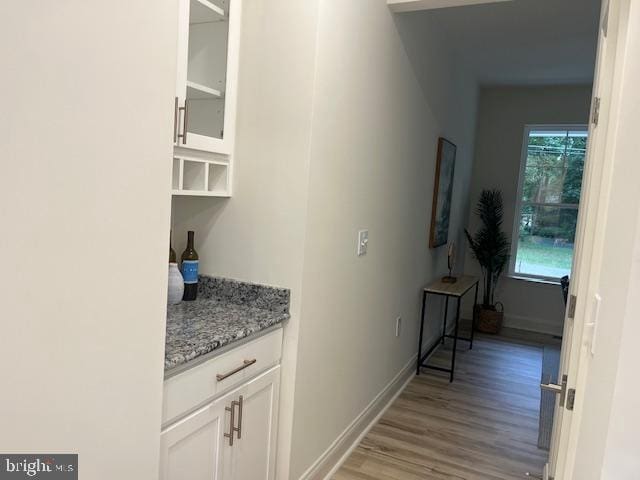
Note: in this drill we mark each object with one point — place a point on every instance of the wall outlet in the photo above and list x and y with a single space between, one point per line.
363 242
398 326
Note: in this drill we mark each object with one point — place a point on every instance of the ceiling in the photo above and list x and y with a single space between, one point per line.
523 42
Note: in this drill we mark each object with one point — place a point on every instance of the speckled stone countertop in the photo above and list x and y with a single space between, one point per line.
225 311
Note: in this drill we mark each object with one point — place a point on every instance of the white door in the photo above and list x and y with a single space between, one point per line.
207 63
195 447
580 328
255 448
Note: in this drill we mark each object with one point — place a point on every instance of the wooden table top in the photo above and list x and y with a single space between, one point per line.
457 289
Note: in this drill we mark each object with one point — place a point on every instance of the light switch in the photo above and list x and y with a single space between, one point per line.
363 242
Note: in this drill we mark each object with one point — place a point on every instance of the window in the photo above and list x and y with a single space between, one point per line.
548 199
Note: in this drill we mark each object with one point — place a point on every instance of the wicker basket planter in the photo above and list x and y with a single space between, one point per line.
489 319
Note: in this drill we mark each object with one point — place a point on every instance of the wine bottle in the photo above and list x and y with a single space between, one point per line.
190 269
172 252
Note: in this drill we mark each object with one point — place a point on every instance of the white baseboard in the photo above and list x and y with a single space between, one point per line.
331 460
532 324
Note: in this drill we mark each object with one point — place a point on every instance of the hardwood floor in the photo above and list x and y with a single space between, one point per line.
483 426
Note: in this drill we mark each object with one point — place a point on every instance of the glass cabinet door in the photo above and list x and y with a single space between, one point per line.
202 75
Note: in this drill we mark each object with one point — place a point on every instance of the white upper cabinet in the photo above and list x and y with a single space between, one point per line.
208 48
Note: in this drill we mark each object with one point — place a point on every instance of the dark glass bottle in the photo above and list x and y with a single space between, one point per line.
172 252
190 269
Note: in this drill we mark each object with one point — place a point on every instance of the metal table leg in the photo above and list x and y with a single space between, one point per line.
473 316
455 342
419 362
421 358
444 321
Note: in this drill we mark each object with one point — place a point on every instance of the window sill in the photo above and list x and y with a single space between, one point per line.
535 280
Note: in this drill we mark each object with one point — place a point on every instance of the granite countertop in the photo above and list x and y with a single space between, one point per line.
226 311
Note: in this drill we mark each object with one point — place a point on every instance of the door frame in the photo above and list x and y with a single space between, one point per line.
578 331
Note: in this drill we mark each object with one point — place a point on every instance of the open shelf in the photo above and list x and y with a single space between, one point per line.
217 178
185 193
199 177
193 176
203 11
177 174
195 91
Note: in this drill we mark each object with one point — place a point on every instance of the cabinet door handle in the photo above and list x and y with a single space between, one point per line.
232 427
245 364
185 116
239 429
184 121
232 410
175 121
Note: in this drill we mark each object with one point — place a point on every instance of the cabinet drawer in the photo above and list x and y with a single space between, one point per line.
201 383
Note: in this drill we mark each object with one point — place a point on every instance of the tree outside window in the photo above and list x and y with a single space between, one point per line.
550 185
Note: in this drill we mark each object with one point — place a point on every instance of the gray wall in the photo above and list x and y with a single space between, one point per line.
502 114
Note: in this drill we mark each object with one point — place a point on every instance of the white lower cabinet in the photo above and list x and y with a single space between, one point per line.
194 447
254 451
199 446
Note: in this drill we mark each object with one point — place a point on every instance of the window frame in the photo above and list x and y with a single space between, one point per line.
515 234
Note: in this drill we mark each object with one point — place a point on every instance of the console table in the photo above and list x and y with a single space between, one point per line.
456 290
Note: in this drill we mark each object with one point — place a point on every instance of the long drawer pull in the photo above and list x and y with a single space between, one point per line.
245 364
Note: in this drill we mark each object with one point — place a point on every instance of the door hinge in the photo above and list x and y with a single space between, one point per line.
572 306
571 398
595 114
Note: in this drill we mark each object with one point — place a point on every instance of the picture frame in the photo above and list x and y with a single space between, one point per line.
442 193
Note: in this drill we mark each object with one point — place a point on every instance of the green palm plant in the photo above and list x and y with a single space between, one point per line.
490 245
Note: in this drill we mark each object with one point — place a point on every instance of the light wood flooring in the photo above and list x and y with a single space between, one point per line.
483 426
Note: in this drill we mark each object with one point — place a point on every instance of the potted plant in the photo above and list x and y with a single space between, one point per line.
490 247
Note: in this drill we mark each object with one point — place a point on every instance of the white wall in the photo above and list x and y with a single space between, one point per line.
346 139
502 114
84 214
377 113
258 234
377 110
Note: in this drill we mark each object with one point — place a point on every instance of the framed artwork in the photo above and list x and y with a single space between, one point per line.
442 190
